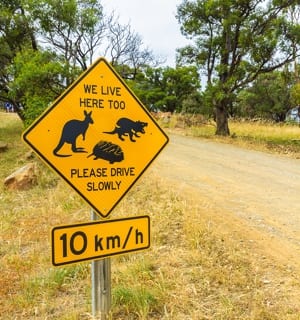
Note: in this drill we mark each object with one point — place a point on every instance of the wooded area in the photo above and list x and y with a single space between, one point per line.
244 51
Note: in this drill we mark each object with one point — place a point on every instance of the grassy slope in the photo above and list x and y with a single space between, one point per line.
194 269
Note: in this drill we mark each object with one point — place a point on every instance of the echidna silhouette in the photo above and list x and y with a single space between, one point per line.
107 151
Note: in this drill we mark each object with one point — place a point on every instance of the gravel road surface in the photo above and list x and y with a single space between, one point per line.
254 192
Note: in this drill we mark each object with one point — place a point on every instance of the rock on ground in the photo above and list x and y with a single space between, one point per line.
23 178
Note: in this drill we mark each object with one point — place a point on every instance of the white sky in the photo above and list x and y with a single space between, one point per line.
154 21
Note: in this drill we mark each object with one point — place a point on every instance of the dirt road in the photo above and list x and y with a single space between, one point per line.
250 192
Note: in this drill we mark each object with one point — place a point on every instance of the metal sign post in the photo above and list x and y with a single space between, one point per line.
101 284
100 140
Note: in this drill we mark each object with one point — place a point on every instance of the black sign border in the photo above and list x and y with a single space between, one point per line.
97 257
56 102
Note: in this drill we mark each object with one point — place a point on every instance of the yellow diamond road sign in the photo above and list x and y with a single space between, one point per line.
98 137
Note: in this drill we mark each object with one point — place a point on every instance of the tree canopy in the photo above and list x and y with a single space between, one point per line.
54 41
165 89
268 97
236 48
234 42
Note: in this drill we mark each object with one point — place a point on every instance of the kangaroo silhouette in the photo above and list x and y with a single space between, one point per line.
70 132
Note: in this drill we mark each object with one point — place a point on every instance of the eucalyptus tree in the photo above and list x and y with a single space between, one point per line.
269 96
126 50
60 38
166 88
81 31
16 32
72 28
234 41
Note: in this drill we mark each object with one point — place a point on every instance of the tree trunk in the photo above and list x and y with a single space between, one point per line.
222 121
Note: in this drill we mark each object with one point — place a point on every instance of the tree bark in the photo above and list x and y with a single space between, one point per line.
222 121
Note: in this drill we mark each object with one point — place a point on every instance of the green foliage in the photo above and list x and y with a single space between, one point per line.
71 27
45 43
166 88
234 42
267 98
37 81
193 103
295 94
16 33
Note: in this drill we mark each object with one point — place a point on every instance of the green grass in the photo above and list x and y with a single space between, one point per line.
195 269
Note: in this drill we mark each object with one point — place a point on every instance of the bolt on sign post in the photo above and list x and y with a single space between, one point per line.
98 137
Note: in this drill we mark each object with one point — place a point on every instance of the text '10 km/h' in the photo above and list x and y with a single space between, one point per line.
78 242
99 239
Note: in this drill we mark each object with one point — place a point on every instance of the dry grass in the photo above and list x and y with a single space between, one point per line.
280 138
194 270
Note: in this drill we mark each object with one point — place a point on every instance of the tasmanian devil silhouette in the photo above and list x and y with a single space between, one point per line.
70 132
125 126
